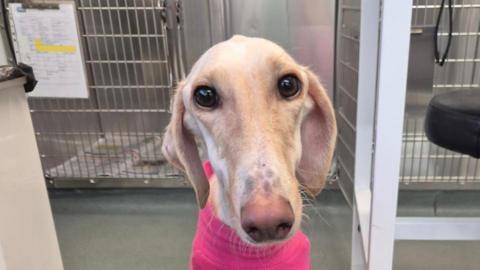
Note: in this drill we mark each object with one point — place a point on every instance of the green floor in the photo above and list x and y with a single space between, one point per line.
153 229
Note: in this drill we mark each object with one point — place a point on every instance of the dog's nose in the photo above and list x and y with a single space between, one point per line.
267 218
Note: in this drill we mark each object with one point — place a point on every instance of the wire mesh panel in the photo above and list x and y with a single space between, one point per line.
114 136
425 165
348 43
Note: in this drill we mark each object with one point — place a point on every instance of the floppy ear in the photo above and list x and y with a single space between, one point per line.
318 132
180 149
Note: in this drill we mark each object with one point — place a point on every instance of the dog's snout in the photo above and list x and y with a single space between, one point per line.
267 218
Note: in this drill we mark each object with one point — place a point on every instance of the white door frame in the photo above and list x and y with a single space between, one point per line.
384 48
383 64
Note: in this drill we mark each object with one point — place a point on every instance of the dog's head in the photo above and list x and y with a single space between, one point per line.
268 128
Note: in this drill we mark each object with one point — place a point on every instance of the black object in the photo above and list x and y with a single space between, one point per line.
18 71
441 60
27 71
453 121
11 72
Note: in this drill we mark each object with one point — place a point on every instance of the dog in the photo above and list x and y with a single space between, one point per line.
267 129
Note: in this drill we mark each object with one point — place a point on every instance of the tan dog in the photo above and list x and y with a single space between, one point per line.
268 128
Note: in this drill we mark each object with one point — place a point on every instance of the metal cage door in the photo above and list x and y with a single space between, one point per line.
112 139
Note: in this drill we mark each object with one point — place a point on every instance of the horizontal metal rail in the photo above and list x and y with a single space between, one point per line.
457 85
125 61
101 111
454 6
441 178
115 8
437 228
128 86
123 35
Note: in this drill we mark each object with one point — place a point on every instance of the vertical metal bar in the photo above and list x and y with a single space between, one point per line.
476 169
412 163
157 51
146 90
94 98
420 136
367 82
74 134
416 11
151 55
168 57
121 132
445 76
168 67
403 171
48 105
391 92
154 90
79 103
467 43
428 157
110 82
161 98
437 161
163 54
228 18
467 169
61 131
130 95
142 115
476 55
102 82
425 14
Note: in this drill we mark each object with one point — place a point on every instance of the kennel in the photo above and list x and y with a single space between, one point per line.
424 166
132 53
135 52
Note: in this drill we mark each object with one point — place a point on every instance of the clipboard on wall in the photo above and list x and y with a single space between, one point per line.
46 37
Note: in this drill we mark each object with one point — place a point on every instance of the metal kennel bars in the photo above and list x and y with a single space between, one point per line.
134 53
114 137
425 165
382 103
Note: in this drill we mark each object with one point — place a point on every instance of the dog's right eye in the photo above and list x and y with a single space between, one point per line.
206 96
289 86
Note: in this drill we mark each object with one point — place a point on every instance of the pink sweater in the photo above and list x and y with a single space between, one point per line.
217 247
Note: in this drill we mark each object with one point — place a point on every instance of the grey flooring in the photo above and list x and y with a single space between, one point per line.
153 230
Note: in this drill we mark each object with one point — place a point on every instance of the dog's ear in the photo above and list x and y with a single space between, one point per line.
318 134
180 149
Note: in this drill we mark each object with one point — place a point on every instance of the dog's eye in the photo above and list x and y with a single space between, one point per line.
289 86
206 96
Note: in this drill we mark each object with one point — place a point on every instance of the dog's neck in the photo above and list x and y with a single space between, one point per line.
216 246
219 242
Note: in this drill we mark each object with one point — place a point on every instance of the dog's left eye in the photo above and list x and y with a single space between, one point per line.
289 86
206 96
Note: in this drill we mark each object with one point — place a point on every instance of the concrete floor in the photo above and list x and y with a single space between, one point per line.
153 229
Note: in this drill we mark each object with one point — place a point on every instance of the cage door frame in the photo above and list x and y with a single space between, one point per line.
384 49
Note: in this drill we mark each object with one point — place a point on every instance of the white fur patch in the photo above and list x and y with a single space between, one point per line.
220 168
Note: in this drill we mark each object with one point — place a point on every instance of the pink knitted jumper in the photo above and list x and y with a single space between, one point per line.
217 247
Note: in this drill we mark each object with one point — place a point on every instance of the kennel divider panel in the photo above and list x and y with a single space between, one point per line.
426 166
